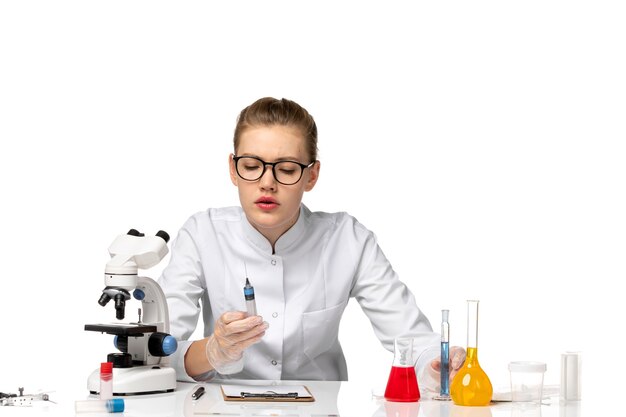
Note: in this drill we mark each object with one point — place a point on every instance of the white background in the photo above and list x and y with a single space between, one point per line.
482 141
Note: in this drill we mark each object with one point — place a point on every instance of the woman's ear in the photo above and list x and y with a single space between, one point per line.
231 167
314 173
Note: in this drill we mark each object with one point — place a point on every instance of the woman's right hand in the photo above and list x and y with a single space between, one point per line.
234 332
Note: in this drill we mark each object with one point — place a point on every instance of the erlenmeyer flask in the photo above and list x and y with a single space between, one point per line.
402 383
471 385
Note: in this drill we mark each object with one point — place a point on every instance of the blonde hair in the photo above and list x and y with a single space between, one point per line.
269 111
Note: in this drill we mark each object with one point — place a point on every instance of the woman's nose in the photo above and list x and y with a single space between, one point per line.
267 180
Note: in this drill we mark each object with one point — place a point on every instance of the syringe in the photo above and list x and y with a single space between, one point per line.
248 292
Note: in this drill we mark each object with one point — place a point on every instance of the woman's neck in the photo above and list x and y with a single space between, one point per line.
273 234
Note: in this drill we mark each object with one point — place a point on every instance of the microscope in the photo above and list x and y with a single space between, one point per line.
141 366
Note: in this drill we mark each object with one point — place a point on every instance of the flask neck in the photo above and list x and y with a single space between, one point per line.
472 324
403 356
471 355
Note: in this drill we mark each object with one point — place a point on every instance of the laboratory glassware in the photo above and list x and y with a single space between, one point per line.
114 405
527 381
106 380
444 392
402 383
571 367
471 385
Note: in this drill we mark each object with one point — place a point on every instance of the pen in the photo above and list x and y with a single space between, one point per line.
199 392
248 292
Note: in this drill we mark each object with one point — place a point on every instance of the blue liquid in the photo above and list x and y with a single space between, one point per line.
445 369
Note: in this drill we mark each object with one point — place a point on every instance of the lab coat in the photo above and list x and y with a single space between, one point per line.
301 291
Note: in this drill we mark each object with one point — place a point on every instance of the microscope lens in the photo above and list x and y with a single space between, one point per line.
120 304
104 299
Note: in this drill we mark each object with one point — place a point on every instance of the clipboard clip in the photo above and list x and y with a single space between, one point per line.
269 395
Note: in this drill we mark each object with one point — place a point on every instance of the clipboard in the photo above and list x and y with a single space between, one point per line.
267 393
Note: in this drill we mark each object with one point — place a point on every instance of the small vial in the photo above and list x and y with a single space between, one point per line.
106 380
114 405
571 370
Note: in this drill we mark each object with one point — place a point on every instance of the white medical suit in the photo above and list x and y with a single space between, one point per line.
301 291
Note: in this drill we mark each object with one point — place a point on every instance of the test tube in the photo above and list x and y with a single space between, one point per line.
445 355
115 405
106 380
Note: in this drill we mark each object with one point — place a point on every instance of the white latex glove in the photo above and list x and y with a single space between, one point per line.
430 377
234 332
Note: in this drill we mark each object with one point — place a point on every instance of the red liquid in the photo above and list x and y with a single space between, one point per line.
402 385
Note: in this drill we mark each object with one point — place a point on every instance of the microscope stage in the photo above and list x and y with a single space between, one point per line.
121 329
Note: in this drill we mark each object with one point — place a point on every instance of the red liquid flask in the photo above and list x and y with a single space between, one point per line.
402 383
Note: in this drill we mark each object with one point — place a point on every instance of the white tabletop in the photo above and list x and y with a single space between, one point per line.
332 398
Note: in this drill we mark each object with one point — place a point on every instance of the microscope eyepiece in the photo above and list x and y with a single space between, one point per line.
163 235
135 232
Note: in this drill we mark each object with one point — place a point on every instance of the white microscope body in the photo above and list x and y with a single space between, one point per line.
142 366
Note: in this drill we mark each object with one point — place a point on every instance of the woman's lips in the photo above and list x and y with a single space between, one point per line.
266 203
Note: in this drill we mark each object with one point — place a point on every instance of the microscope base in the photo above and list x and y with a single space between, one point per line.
136 380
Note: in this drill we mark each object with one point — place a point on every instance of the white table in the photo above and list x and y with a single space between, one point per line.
344 399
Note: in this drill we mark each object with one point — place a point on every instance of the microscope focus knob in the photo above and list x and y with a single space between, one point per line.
120 360
162 344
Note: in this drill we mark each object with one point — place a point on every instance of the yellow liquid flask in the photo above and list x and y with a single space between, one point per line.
471 385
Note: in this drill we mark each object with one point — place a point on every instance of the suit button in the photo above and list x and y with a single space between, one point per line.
273 261
274 362
274 315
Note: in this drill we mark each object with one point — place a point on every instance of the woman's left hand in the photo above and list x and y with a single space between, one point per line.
457 358
430 376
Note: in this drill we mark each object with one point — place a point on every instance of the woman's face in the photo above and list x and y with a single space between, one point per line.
271 207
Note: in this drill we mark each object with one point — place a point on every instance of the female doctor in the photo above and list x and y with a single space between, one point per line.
304 266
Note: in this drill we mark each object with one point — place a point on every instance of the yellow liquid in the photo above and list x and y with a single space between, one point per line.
471 385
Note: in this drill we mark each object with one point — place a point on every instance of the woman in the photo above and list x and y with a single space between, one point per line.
304 266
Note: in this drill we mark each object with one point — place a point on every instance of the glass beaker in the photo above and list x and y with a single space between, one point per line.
402 383
471 385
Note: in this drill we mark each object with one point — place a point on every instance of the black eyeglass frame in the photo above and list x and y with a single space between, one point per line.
273 165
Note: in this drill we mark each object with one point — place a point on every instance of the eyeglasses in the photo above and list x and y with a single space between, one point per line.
251 168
